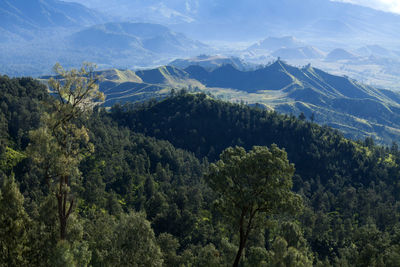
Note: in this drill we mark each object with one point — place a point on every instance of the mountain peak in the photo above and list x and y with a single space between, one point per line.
279 64
340 54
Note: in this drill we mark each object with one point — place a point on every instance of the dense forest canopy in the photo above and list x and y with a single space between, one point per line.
142 197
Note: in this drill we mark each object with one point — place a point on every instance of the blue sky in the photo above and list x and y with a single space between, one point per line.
386 5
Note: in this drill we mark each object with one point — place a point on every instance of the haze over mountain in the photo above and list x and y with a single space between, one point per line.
37 34
225 26
340 54
211 62
274 43
337 37
371 63
140 36
222 19
375 50
307 52
23 18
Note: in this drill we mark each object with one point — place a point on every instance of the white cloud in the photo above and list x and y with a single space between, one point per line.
386 5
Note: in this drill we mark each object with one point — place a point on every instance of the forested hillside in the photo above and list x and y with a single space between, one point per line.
143 196
343 182
356 109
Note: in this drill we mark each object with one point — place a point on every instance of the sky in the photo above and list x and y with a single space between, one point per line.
386 5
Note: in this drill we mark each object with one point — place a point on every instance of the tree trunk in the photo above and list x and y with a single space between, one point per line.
244 235
63 213
242 240
63 228
239 253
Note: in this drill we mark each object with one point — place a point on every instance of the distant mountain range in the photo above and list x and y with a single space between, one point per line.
369 62
211 62
356 109
306 52
35 34
289 47
375 50
140 36
340 54
133 34
23 18
275 43
238 20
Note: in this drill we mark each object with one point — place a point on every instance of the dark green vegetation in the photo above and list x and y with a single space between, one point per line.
252 186
340 102
141 200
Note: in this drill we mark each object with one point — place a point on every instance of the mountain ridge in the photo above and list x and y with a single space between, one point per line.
216 19
21 16
356 109
154 38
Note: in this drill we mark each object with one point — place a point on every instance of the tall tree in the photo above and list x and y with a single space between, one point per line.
252 185
62 141
14 225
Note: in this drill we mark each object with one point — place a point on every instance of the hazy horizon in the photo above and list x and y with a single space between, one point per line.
383 5
112 34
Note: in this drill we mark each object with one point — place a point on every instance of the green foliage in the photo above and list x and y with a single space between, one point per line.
284 255
344 182
10 158
65 254
257 181
169 246
62 255
20 109
135 242
14 225
100 230
207 256
256 256
133 182
60 144
290 247
252 185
